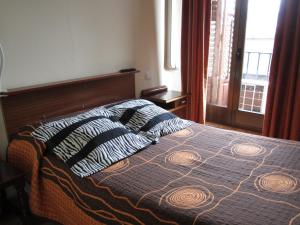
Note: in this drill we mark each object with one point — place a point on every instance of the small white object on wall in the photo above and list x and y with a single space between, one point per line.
147 75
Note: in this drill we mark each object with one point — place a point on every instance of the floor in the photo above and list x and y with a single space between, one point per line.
231 128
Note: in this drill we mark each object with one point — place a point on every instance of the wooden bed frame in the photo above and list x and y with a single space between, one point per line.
22 106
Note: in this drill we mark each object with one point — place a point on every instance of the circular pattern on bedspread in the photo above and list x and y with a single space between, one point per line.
189 197
117 166
277 182
248 149
184 133
184 157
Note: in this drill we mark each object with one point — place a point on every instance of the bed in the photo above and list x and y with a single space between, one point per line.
198 175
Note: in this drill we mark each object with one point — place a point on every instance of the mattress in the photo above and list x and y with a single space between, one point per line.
199 175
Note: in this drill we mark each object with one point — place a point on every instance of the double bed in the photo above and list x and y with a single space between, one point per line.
197 175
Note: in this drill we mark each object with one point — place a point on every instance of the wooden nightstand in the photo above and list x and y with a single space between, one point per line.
10 176
173 101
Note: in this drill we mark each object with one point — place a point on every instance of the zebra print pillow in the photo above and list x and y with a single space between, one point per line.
90 142
52 128
146 118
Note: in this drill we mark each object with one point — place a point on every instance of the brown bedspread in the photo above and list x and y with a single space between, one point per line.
200 175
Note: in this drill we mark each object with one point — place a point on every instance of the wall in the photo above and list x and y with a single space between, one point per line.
146 48
47 41
171 78
55 40
150 49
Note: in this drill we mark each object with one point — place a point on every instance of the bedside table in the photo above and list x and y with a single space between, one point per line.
10 176
173 101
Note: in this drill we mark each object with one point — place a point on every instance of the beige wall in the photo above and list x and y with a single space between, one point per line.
171 78
150 48
52 40
146 47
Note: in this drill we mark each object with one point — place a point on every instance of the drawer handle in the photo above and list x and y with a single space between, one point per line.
183 102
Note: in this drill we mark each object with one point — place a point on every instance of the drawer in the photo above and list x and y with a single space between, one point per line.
180 102
180 111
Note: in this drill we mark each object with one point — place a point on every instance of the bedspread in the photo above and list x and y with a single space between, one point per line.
199 175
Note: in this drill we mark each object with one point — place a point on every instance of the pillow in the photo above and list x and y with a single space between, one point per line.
90 142
52 128
146 118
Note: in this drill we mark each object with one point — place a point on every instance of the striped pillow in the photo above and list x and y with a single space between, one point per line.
90 142
50 129
146 118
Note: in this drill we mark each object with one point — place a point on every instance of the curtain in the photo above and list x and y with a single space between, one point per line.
194 55
282 118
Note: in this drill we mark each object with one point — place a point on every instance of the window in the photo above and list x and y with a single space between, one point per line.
220 51
240 54
253 98
173 33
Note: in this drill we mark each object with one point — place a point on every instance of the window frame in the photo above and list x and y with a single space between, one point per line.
171 57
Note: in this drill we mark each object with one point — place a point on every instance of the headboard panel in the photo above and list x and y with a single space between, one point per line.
24 106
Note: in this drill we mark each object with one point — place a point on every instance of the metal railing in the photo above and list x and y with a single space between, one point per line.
262 60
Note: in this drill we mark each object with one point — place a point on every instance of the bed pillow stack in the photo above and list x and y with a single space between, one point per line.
94 140
90 142
145 118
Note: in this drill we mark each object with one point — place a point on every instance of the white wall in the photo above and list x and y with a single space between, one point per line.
150 49
146 48
171 78
53 40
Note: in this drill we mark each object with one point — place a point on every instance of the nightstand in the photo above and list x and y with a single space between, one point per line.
10 176
173 101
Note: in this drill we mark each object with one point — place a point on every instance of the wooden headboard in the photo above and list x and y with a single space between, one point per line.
22 106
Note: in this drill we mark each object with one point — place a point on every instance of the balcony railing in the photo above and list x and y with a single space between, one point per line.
257 66
256 70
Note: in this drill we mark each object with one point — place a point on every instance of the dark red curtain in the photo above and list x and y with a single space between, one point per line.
282 118
194 55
